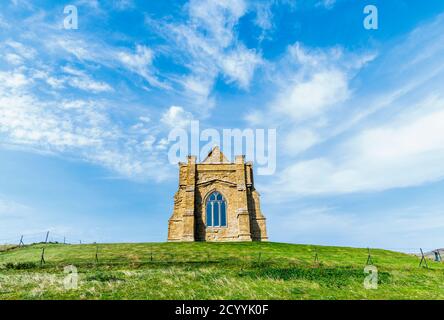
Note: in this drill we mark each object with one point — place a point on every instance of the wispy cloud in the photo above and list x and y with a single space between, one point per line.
141 63
40 112
210 47
406 151
308 86
327 4
78 79
176 117
315 81
81 129
264 18
390 132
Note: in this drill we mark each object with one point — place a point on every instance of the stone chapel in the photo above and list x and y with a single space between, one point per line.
216 201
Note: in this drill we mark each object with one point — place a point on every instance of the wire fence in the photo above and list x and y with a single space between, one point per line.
54 237
95 255
90 255
39 237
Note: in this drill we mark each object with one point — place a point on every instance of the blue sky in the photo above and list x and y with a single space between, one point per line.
85 115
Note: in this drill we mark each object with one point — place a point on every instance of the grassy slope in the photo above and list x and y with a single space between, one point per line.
215 271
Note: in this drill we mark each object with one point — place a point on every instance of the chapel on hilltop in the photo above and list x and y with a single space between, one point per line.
216 201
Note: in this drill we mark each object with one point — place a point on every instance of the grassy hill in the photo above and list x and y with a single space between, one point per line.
214 271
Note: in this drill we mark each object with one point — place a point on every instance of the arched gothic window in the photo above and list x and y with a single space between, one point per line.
216 210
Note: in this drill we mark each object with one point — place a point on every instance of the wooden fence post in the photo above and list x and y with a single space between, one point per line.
97 254
423 259
316 257
42 258
21 241
369 258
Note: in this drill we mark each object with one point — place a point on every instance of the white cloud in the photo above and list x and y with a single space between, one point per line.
239 65
13 80
387 134
264 18
27 121
308 85
310 97
299 140
90 3
87 84
40 113
209 47
79 79
176 116
15 53
21 49
406 151
123 4
311 82
141 62
77 129
200 88
264 15
327 4
13 58
217 17
78 48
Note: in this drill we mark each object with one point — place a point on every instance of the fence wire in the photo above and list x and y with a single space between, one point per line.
94 253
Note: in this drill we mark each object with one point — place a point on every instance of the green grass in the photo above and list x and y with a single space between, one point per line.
214 271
